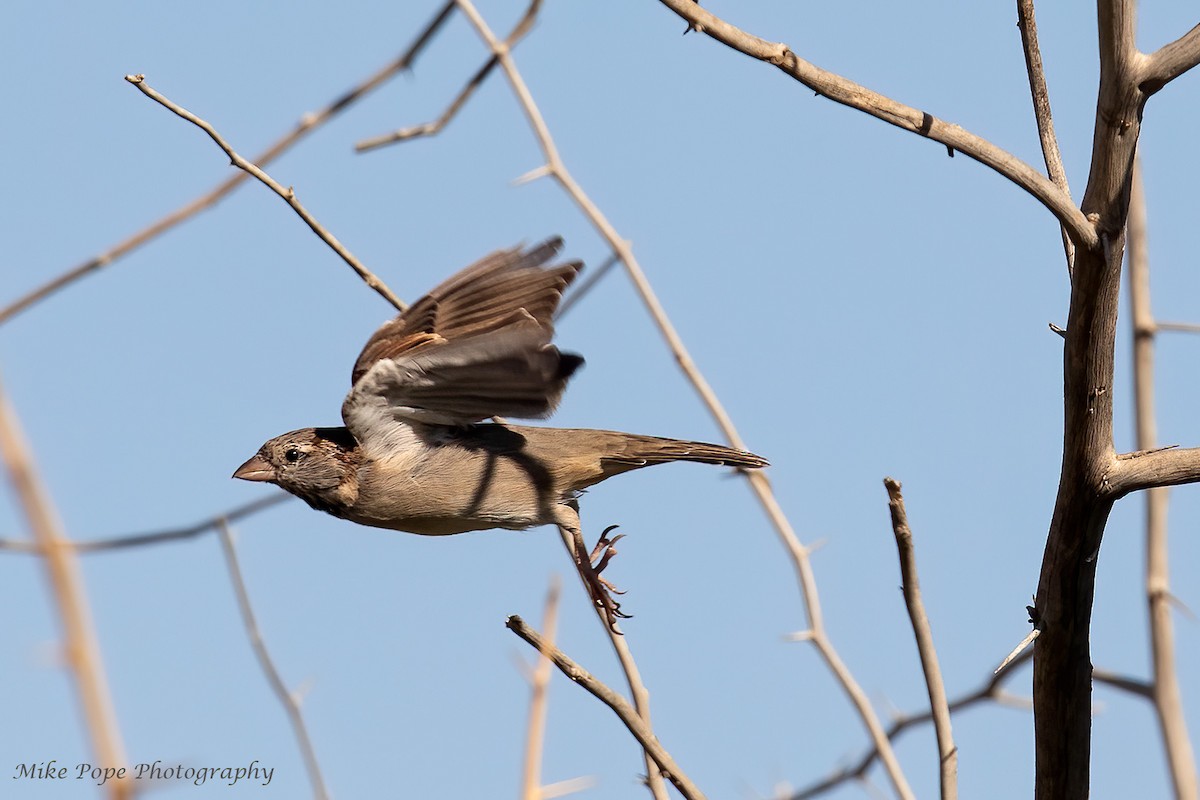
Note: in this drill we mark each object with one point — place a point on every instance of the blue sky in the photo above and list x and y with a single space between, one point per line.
863 305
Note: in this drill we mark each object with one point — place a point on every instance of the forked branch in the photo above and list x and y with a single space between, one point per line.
849 93
1171 60
619 705
523 26
1148 469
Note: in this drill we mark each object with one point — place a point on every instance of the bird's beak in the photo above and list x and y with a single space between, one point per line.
256 469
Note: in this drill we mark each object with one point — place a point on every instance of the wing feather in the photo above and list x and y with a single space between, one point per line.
478 345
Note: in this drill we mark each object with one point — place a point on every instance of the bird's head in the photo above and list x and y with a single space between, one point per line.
318 465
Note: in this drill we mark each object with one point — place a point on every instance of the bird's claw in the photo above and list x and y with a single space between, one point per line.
601 589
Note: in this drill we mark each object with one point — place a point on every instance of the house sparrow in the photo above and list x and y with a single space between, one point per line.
415 454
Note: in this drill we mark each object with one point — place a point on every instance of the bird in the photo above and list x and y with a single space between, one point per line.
417 452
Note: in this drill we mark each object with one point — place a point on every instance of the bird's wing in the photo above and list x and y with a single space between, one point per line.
479 345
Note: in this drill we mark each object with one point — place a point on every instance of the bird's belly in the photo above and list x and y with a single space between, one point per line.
445 490
438 526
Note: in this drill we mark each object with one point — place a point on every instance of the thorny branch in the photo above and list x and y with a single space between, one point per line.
914 120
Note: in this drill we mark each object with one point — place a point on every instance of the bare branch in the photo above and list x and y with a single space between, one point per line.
1123 682
307 123
523 26
947 752
851 94
435 127
569 786
1020 649
291 703
531 780
1117 22
288 195
1177 327
618 704
990 689
1171 60
590 281
156 537
1027 23
1164 691
1165 467
81 647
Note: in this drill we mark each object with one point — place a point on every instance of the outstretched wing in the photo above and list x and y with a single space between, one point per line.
478 345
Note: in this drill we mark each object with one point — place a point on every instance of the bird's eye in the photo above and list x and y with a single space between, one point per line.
292 455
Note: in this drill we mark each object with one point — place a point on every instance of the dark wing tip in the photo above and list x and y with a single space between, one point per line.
553 243
567 364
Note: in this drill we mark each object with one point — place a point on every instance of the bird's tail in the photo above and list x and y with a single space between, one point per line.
633 451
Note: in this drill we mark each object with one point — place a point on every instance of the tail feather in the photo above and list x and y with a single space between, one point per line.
642 451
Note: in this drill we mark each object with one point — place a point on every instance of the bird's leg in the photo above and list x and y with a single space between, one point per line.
599 589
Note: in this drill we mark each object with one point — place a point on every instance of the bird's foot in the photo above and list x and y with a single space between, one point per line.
600 589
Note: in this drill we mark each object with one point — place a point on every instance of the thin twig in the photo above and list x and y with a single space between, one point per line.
156 537
1177 327
288 194
539 683
82 649
523 26
290 701
590 281
434 127
1165 693
990 689
947 752
848 93
569 786
1020 649
554 167
1134 686
305 125
1027 23
618 704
